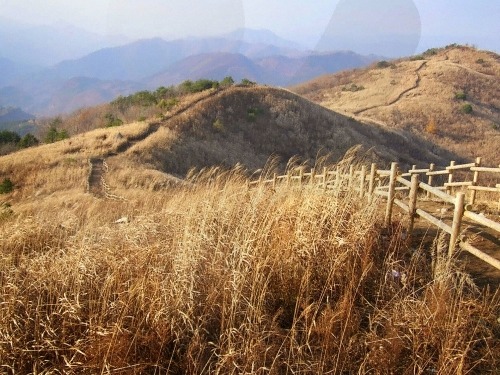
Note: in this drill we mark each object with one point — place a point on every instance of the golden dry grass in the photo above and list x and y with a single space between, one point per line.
218 278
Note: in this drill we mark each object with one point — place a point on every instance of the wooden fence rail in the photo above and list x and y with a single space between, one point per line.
406 194
106 190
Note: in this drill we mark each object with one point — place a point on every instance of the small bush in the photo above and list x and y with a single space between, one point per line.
353 88
431 52
417 57
480 61
198 86
460 95
142 98
6 186
467 109
218 125
252 114
168 104
247 82
383 64
431 127
112 120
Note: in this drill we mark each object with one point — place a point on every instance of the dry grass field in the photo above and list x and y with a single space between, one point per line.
219 278
194 272
426 95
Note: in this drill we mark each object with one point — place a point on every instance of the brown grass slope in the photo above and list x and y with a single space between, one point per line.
220 128
247 125
423 94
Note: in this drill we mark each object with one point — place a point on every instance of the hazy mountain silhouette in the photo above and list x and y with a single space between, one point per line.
48 45
144 64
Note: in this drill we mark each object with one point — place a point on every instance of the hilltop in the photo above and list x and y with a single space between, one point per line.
449 96
225 127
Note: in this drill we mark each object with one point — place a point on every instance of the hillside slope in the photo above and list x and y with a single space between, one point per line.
428 95
245 125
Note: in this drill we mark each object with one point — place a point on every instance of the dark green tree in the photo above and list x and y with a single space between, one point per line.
29 140
53 134
7 136
227 81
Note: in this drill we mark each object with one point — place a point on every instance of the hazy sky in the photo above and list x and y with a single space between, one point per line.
418 24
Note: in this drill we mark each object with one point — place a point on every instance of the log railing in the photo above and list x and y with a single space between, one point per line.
104 187
406 190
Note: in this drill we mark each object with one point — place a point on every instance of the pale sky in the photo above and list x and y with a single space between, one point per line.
424 23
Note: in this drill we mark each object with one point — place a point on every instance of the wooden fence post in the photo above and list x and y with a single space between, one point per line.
457 222
391 196
450 178
429 180
313 176
475 180
275 178
337 178
301 175
351 176
412 205
325 175
371 183
362 180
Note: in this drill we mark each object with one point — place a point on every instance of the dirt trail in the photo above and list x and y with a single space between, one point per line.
401 94
95 177
153 127
472 71
425 234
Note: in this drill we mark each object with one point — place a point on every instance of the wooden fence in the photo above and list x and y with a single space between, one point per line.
406 190
106 190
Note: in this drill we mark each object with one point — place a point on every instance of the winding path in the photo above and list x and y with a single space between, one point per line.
401 94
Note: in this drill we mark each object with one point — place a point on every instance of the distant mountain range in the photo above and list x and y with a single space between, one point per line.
49 44
15 119
102 75
11 114
12 71
278 70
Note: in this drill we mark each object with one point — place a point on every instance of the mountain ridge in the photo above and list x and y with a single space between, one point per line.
119 70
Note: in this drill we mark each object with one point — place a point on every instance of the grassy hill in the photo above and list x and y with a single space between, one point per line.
450 96
207 275
238 125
